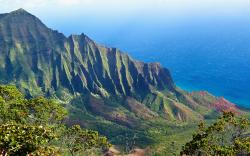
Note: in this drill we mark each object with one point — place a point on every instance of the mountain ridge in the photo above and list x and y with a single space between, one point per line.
115 87
63 43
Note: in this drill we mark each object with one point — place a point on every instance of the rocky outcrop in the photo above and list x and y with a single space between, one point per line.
41 61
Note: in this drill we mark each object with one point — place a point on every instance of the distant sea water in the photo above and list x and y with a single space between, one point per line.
202 54
221 70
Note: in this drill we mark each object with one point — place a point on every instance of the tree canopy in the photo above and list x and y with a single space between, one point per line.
35 126
227 136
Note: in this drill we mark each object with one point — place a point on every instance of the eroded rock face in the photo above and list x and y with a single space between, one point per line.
41 61
34 56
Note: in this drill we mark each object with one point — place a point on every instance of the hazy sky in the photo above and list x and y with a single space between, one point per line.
126 7
178 33
95 16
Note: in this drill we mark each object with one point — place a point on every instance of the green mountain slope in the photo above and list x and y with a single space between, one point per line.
105 88
45 59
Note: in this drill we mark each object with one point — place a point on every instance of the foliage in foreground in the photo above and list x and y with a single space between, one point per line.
226 137
34 126
18 139
77 140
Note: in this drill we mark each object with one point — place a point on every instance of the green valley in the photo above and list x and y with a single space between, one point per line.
134 104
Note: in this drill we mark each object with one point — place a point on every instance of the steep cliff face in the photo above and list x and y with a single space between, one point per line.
34 56
41 61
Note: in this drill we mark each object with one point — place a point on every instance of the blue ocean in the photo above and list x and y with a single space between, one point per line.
210 54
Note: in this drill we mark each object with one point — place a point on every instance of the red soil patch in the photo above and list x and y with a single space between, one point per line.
137 152
223 105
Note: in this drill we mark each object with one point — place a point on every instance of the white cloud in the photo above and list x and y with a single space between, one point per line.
127 6
7 5
68 3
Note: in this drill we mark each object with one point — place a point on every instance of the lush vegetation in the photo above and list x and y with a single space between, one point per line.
227 136
134 104
35 126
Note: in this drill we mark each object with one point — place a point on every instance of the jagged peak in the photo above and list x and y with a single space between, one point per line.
21 18
155 64
20 11
15 13
82 36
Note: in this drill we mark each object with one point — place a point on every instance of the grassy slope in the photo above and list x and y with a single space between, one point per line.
156 135
41 61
